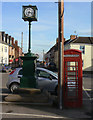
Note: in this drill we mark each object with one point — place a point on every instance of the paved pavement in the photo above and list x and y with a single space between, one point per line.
43 111
46 111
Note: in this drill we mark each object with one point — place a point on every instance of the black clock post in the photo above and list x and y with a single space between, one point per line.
28 79
29 49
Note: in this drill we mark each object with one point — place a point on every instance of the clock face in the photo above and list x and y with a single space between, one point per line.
29 12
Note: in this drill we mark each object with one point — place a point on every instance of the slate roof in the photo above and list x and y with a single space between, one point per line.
85 40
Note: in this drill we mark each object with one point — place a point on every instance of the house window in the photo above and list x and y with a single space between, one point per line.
6 60
5 49
9 56
2 60
82 48
2 48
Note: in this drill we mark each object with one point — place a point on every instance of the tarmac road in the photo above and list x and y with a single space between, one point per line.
48 111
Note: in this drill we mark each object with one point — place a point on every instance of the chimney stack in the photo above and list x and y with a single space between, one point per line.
57 40
6 36
16 42
12 40
9 39
64 39
72 37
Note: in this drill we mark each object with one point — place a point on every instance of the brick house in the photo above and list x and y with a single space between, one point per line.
18 53
4 59
9 50
85 44
51 54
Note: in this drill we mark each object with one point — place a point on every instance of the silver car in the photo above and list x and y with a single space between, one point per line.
46 80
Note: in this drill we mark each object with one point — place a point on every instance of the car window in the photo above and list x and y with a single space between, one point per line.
20 72
53 77
41 73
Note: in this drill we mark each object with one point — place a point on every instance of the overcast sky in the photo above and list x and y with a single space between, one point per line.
77 17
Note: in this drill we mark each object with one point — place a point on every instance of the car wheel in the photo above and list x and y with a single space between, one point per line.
14 87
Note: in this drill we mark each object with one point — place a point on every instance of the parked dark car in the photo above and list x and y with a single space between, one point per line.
52 66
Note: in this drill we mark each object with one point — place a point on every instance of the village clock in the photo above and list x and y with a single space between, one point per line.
29 13
28 80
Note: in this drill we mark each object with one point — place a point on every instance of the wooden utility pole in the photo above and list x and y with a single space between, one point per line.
61 51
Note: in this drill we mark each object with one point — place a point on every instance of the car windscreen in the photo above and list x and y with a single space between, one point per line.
54 74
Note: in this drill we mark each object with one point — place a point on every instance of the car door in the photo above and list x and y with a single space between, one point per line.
44 80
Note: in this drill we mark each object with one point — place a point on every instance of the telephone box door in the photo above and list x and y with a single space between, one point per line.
72 78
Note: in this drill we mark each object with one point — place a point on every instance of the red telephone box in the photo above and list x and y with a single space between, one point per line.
72 78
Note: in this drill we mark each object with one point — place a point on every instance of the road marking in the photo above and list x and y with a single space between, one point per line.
4 94
88 99
87 89
32 115
86 93
24 103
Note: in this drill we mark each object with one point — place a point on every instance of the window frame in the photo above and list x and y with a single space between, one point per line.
82 49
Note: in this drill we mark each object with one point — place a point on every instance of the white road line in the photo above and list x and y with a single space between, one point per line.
91 98
32 115
24 103
87 93
88 89
4 94
88 99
